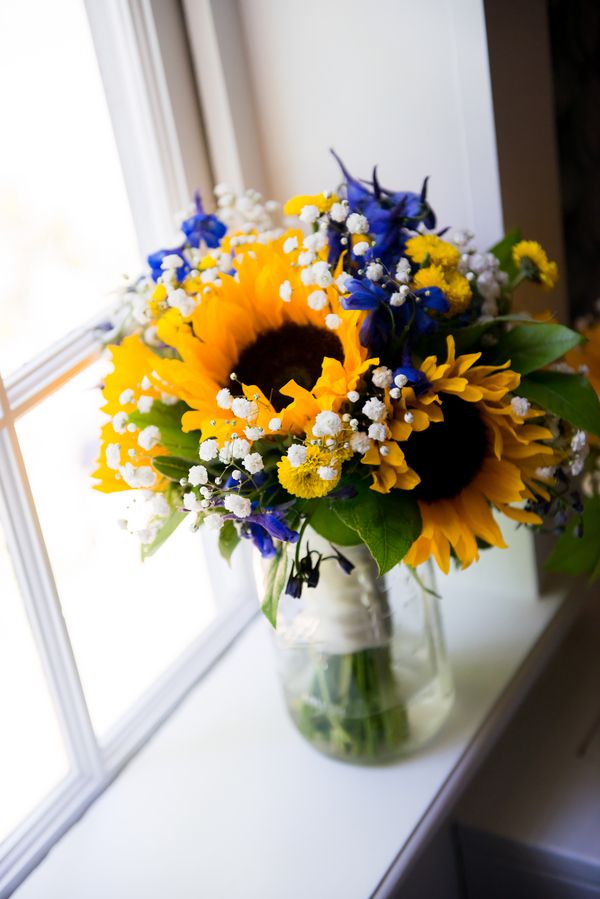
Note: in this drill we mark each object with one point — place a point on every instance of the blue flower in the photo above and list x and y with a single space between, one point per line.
389 213
262 527
414 377
155 263
364 294
294 586
203 227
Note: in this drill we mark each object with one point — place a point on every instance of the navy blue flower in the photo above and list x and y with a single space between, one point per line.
345 564
262 527
364 294
391 214
260 539
294 586
414 378
155 263
203 227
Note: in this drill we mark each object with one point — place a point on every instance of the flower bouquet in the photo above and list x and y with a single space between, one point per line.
350 391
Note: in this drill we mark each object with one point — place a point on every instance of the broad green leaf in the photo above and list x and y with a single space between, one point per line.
503 252
275 582
571 397
580 555
387 522
468 338
529 347
328 525
228 540
173 468
170 525
168 420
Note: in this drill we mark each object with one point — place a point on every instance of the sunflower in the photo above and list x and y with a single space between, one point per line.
263 350
475 449
126 455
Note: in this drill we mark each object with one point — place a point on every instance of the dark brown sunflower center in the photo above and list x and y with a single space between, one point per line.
449 453
292 351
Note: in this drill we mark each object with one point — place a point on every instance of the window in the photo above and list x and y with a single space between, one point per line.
104 146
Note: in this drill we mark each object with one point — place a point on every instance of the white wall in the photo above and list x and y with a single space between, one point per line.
396 82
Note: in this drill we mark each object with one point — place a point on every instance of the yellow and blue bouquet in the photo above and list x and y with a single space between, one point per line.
357 370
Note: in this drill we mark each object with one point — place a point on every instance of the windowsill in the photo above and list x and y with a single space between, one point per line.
227 800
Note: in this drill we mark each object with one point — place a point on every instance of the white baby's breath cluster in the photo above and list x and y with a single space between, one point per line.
482 269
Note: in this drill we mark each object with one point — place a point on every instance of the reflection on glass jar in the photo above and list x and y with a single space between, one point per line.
362 659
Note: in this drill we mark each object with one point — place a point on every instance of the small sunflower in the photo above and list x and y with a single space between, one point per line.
530 258
478 451
288 348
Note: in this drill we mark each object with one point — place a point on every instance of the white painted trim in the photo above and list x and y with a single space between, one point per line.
52 368
223 80
34 575
150 110
28 845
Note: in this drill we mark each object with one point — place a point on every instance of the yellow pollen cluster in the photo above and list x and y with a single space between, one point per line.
432 250
305 480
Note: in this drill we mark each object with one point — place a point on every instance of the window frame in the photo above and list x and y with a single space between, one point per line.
145 65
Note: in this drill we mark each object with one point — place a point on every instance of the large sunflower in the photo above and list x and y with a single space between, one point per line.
477 452
289 348
126 455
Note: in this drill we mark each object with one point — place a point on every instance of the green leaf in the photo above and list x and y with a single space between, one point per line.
228 540
503 252
328 525
571 397
168 420
275 582
468 338
173 468
171 523
529 347
580 555
387 522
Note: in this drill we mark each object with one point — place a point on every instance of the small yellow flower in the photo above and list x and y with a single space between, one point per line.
530 257
295 205
432 250
305 480
455 287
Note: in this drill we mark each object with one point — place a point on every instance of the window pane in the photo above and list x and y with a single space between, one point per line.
33 759
66 233
127 620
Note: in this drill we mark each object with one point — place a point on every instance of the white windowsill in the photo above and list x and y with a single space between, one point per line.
227 801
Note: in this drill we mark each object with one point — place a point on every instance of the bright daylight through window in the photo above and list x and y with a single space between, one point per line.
95 646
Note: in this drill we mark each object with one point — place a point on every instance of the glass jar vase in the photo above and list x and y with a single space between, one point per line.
362 658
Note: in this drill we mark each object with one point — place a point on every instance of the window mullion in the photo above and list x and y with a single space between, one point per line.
34 574
52 368
144 60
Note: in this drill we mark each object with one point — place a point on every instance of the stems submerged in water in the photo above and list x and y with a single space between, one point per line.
354 708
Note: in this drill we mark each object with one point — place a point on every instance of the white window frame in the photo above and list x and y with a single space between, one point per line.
144 60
